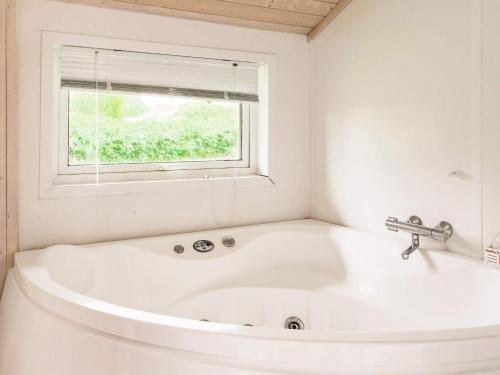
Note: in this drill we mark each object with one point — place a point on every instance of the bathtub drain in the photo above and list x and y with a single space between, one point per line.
294 323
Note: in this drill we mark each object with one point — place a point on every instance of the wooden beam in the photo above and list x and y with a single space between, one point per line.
342 4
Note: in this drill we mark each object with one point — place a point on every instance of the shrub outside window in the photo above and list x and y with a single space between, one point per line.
151 129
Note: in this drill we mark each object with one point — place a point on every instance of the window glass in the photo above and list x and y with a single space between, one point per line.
138 128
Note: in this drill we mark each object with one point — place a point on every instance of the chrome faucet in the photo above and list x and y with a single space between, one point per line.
441 232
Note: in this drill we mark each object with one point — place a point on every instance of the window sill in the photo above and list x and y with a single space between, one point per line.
56 191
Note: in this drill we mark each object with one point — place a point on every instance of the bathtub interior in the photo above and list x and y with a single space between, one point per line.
333 278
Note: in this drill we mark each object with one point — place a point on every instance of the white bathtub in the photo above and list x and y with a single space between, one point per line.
135 307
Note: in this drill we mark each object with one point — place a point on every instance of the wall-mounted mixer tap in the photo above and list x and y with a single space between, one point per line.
441 232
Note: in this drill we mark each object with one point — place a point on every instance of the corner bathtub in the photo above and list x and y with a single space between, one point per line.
136 307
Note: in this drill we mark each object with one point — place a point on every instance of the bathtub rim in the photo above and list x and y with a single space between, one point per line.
335 355
36 283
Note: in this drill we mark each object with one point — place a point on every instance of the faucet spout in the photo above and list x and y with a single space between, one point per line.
415 244
406 254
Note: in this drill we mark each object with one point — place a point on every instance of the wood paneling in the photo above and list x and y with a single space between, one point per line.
3 141
318 8
237 10
8 139
143 8
12 124
293 16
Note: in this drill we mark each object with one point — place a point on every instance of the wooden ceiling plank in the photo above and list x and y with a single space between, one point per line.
242 11
3 141
329 18
318 8
156 10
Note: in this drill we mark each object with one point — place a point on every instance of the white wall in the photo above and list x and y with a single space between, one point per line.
80 220
400 95
395 106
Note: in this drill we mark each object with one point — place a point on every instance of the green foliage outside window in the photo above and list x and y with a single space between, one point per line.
132 130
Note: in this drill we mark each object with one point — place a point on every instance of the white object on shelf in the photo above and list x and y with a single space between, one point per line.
492 252
492 256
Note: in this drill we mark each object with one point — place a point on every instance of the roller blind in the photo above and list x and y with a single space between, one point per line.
82 67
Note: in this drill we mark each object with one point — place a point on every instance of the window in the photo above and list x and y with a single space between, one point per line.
151 129
141 117
134 112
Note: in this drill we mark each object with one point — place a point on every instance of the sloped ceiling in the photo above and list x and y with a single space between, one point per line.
307 17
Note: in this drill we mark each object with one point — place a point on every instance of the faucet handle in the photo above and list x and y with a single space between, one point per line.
413 219
445 229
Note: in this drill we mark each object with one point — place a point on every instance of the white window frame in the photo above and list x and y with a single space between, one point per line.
59 181
128 170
